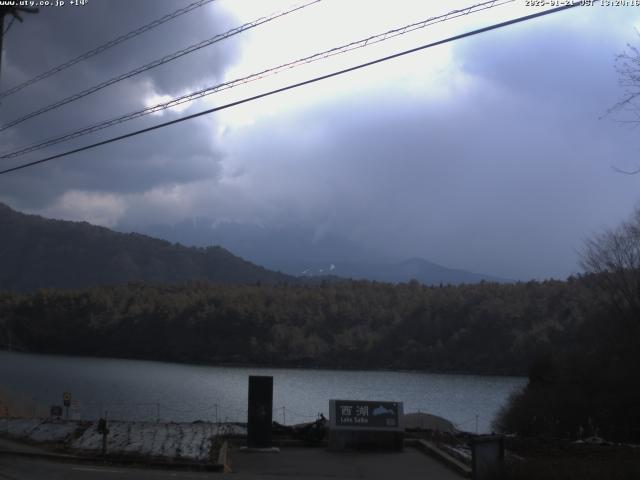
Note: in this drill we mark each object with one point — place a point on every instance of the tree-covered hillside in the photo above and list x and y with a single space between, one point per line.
483 328
590 386
40 253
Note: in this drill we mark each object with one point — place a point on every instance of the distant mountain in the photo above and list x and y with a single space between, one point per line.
301 251
419 269
262 244
36 252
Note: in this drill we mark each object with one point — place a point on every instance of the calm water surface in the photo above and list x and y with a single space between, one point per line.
135 389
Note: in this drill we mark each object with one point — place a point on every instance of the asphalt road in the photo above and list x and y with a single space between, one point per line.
24 468
298 463
318 463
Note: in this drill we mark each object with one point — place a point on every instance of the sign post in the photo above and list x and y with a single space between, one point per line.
365 424
66 400
104 430
75 410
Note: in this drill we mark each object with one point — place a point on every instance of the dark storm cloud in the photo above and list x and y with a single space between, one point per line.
507 176
58 34
498 163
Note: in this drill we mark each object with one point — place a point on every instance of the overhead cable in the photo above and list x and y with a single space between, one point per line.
8 26
105 46
371 40
292 86
157 63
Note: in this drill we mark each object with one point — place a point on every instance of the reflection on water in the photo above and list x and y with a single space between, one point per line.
134 389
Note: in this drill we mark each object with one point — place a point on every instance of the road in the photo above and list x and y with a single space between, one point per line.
298 463
24 468
320 464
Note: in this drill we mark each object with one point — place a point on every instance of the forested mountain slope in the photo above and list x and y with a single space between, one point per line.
481 328
36 252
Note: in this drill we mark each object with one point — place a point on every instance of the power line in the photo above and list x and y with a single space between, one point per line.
296 85
106 46
15 12
13 19
156 63
371 40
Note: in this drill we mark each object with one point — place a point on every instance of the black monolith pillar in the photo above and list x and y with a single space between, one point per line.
260 411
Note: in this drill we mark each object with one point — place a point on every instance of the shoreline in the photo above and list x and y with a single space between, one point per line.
278 366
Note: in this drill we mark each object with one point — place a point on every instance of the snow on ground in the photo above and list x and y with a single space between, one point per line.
38 430
462 452
189 441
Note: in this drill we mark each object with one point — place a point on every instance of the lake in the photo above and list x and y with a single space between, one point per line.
145 390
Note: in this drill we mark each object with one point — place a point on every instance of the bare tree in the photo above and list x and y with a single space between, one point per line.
628 68
614 259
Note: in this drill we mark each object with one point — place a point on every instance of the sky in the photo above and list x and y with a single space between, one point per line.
492 153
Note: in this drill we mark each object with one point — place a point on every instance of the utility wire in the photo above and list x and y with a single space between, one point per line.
371 40
106 46
295 85
13 19
156 63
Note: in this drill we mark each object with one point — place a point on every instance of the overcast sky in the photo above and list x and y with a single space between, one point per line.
488 153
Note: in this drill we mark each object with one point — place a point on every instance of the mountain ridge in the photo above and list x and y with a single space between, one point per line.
38 252
302 251
415 268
